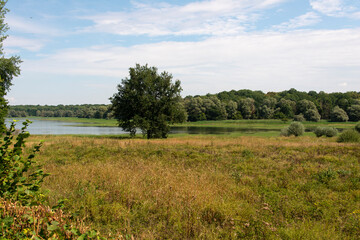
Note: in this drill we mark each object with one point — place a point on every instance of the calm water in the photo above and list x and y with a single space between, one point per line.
42 127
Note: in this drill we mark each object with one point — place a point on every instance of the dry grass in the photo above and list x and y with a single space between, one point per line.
208 187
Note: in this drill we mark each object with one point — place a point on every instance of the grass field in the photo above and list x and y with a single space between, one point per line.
213 187
243 124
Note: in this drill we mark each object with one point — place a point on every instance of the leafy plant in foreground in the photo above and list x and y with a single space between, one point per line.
23 214
19 179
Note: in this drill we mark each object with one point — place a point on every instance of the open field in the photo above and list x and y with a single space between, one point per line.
213 187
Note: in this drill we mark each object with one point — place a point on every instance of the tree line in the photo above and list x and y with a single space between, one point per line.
241 104
290 104
100 111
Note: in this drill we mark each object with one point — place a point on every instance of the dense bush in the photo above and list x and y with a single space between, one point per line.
350 135
326 131
354 112
295 128
331 132
357 127
299 118
319 131
338 115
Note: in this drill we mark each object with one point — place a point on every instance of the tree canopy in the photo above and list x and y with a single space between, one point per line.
148 101
9 67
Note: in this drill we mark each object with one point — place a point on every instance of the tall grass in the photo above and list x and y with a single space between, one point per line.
208 187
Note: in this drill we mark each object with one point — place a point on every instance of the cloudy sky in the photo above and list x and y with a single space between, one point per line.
77 51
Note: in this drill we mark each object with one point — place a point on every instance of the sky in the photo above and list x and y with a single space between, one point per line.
78 51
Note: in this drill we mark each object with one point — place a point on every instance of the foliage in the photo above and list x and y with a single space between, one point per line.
285 108
357 127
40 222
9 67
309 110
23 214
299 118
98 111
195 109
295 128
231 110
284 132
247 108
338 115
19 179
319 131
354 112
280 105
350 135
330 132
325 131
266 112
149 101
214 109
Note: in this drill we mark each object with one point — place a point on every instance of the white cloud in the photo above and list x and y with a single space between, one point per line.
28 25
304 20
318 60
344 84
336 8
24 43
329 7
215 17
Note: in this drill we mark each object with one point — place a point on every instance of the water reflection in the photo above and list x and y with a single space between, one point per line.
43 127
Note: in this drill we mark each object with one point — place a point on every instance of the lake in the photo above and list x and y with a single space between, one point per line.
44 127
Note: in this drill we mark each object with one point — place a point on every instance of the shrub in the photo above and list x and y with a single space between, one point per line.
338 115
357 127
284 132
326 131
350 135
295 128
330 131
319 131
19 179
299 118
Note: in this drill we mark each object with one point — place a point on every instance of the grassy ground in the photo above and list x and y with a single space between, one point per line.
90 122
270 124
264 124
214 187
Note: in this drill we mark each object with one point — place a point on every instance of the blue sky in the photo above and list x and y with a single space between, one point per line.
77 51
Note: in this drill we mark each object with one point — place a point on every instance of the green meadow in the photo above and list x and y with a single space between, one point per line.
207 187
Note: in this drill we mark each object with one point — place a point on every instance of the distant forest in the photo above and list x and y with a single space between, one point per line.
241 104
